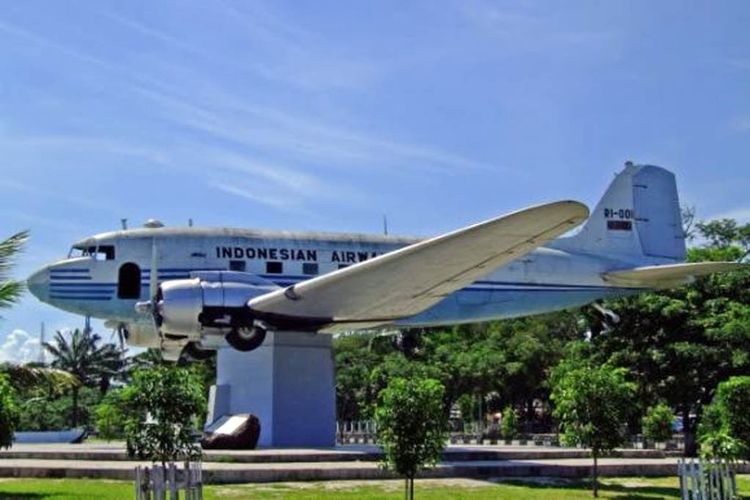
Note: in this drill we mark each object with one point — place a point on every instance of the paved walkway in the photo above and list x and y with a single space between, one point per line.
116 451
218 472
108 461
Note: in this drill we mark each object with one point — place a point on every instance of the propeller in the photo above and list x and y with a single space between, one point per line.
152 305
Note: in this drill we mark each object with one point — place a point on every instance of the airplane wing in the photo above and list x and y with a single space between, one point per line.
670 275
411 279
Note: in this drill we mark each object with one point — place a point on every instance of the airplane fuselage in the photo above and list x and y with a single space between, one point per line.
114 272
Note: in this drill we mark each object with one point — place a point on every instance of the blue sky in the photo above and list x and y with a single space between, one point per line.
326 115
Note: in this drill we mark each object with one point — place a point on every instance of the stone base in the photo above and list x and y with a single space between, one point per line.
288 383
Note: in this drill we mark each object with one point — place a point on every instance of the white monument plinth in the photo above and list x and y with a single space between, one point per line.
288 383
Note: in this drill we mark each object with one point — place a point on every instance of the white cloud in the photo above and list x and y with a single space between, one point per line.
19 347
278 202
528 28
741 215
740 123
307 139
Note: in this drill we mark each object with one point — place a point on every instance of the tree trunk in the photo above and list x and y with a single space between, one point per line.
530 415
411 488
406 488
596 473
688 431
75 407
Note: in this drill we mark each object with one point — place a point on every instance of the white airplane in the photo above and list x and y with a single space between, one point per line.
191 290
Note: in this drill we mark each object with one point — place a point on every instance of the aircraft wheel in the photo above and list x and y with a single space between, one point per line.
195 353
246 339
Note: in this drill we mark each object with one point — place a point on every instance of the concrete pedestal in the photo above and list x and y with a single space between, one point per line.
288 383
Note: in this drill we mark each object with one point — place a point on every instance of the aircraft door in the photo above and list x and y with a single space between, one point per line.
129 281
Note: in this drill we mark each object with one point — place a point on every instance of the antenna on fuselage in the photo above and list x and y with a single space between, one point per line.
385 224
190 222
124 223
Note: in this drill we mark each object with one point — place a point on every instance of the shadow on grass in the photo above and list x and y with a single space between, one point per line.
24 496
626 491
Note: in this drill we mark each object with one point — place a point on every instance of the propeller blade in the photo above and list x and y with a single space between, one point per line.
153 281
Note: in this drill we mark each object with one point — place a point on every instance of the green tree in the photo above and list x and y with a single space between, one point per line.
657 423
10 290
412 427
592 404
679 344
160 407
355 357
509 425
36 389
92 364
9 412
486 366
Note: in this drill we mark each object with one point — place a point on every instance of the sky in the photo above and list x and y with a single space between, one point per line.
307 115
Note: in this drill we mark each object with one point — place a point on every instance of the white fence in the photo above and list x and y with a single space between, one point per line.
706 479
356 432
153 483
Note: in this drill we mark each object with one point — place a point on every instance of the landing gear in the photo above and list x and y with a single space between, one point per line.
247 339
195 353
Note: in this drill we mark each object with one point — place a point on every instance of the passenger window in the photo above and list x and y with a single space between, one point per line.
310 268
274 267
105 252
237 265
129 281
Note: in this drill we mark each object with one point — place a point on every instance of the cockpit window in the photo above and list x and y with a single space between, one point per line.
101 252
75 252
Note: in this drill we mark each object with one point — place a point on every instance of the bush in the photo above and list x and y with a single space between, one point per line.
509 426
109 418
657 423
725 429
9 413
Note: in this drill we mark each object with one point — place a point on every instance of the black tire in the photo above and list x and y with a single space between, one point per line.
246 339
195 353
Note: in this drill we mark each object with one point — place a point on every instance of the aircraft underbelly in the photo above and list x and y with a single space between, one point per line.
463 306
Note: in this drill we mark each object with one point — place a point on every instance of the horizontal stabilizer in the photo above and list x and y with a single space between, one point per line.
670 275
409 280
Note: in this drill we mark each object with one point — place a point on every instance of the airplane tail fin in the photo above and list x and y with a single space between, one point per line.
637 219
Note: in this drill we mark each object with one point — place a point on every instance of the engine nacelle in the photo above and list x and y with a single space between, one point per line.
209 302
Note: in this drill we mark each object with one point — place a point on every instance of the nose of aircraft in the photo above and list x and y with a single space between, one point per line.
38 284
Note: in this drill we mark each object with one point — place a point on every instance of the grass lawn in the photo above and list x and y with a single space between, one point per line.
634 487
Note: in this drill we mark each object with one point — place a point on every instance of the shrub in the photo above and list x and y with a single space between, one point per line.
657 423
109 419
9 413
509 426
725 428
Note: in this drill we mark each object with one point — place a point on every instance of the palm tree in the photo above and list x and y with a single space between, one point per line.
10 289
33 379
82 356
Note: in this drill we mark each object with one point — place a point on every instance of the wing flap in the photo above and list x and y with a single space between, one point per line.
669 275
409 280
